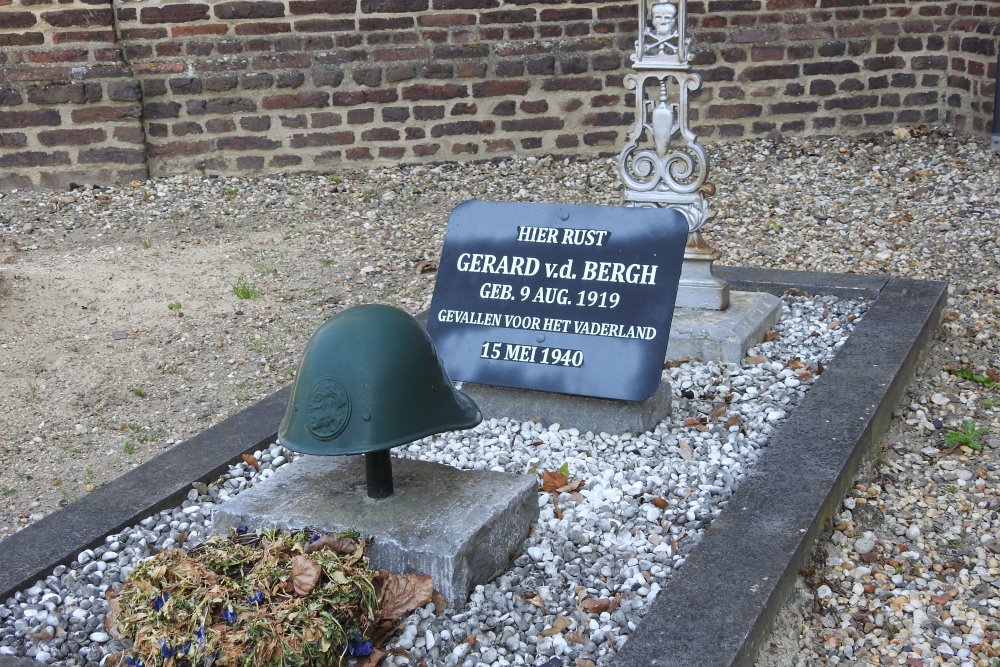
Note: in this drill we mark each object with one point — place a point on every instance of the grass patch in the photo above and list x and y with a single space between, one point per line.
969 435
246 290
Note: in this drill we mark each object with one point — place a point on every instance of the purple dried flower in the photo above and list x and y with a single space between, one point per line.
256 598
160 600
200 635
359 647
228 614
165 650
242 529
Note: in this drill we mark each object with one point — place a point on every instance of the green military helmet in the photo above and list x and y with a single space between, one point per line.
370 379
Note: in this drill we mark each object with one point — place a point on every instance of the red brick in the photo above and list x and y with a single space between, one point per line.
463 127
380 134
426 91
393 6
72 93
10 20
263 28
69 18
317 139
178 13
216 29
22 39
13 140
11 119
326 25
519 16
532 124
74 137
412 53
734 110
315 98
358 153
34 159
249 9
61 56
247 144
501 87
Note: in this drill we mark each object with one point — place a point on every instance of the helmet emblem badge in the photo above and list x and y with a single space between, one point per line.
329 408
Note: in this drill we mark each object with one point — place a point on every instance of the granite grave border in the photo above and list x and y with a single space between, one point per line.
744 567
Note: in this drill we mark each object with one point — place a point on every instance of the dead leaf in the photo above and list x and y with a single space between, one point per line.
331 542
305 575
536 443
795 363
833 325
552 480
756 359
684 448
251 461
534 599
735 420
372 659
558 625
718 411
570 487
596 606
200 487
440 602
676 363
585 662
426 266
694 421
819 368
8 259
555 509
402 593
791 291
772 335
576 638
659 502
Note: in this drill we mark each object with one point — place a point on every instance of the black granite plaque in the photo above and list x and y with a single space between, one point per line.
553 297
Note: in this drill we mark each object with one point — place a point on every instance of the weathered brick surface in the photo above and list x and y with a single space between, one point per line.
112 89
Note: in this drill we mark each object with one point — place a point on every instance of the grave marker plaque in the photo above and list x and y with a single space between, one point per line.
561 298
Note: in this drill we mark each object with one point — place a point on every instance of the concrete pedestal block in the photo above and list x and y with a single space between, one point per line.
582 412
723 335
461 527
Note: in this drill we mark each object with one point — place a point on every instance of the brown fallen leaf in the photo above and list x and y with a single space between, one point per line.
426 266
400 594
694 421
660 502
791 291
820 368
8 259
833 325
305 575
772 335
372 659
570 487
795 363
252 461
576 638
585 662
735 420
552 480
331 542
756 359
534 599
596 606
718 411
558 625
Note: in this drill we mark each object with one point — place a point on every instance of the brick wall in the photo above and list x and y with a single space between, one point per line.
110 90
70 109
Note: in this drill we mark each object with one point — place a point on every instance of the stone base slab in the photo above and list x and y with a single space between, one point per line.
461 527
581 412
723 335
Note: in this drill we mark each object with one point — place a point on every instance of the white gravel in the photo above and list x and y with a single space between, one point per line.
646 499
